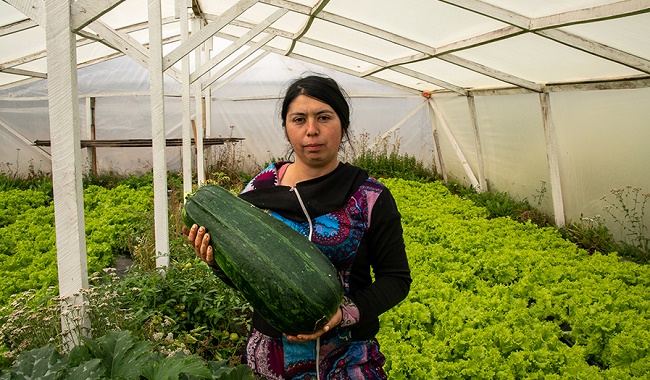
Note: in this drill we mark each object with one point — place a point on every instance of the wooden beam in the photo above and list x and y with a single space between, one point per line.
63 105
490 72
597 49
81 42
483 185
553 161
591 14
237 60
34 9
197 26
27 73
241 70
454 144
86 11
25 140
90 132
186 120
157 88
437 154
232 48
139 143
430 79
492 11
16 27
128 45
399 124
204 34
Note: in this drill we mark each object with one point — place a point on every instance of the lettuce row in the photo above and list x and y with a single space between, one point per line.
501 299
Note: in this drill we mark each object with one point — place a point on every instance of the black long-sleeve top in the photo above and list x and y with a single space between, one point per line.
347 195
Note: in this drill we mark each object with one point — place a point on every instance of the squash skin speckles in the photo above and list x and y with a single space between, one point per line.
285 277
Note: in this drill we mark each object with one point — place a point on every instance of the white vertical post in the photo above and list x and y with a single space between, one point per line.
208 91
553 164
437 154
477 141
66 163
88 129
198 111
185 98
158 134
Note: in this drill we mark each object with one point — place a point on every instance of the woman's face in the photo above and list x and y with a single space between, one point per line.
314 131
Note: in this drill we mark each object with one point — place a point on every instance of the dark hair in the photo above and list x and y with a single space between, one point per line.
322 88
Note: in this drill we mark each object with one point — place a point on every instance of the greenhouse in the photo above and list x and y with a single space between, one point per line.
545 102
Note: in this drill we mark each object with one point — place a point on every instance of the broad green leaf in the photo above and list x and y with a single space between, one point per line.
170 368
40 364
90 370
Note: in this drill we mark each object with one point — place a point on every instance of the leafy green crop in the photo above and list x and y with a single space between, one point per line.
113 219
498 299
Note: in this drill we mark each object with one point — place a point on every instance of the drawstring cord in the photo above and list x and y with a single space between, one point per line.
304 210
311 231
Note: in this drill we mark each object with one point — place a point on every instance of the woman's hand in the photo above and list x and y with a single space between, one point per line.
333 322
200 239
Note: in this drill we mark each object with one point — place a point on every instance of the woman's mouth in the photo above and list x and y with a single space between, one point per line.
313 147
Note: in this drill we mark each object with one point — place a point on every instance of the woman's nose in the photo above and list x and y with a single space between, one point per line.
312 127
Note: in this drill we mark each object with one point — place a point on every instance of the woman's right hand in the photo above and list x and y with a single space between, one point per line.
200 239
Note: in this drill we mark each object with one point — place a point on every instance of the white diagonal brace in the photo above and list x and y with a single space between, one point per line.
16 27
34 9
454 144
492 11
202 35
122 42
597 49
481 69
127 45
430 79
240 58
27 73
240 70
232 48
84 12
483 185
25 140
399 124
82 42
602 12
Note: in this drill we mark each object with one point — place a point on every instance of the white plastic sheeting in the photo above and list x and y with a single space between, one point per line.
591 56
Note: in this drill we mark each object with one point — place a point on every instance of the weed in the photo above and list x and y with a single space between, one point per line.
628 211
384 160
589 234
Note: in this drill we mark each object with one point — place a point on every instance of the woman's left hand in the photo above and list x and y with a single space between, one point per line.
333 322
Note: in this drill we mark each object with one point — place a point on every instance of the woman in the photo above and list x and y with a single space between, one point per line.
351 217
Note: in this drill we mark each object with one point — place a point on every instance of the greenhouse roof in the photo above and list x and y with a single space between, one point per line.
432 46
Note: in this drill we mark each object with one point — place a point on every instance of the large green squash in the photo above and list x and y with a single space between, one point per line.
285 277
